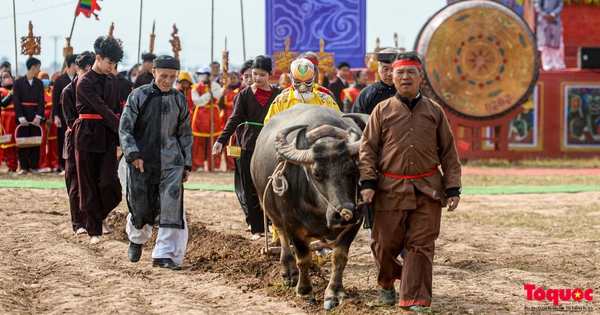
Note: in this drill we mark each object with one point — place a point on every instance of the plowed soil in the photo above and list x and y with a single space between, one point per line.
488 249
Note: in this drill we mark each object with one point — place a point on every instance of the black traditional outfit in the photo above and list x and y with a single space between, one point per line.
95 134
143 79
125 88
29 102
69 114
250 112
155 127
59 85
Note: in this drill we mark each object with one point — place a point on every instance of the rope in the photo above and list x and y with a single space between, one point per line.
358 200
276 177
280 184
318 190
358 203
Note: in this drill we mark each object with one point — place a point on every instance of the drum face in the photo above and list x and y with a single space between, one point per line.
480 58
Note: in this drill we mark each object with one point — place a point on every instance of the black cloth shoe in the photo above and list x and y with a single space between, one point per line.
165 263
134 251
388 295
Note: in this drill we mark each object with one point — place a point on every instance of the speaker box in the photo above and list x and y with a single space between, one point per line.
588 57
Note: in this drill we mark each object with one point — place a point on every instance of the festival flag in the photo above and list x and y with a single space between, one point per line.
87 7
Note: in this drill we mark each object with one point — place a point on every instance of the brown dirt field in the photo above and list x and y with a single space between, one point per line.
487 250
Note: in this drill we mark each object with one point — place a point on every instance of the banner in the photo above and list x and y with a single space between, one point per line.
87 7
341 23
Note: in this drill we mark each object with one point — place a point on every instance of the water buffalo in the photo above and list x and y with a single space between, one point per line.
320 151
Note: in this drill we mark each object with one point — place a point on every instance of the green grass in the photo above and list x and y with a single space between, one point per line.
537 163
537 180
575 223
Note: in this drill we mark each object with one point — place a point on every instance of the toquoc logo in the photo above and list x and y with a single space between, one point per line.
554 295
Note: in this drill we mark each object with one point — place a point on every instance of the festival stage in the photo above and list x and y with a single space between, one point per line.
561 120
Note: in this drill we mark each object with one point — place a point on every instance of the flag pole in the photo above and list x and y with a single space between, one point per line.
68 49
15 30
72 26
139 38
243 36
212 118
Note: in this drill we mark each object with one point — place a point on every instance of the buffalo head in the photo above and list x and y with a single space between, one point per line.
329 157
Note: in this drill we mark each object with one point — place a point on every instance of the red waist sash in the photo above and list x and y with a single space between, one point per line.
408 176
90 116
29 104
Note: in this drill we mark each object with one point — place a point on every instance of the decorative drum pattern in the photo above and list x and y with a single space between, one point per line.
480 58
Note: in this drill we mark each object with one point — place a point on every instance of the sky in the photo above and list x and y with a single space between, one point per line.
52 21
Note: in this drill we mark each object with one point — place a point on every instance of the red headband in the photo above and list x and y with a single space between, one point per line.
405 62
314 61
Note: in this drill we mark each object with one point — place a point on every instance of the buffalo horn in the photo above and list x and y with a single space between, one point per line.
325 131
289 151
354 140
363 117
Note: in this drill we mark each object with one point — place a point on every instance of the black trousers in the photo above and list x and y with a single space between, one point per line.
29 158
239 188
60 140
77 218
255 212
99 186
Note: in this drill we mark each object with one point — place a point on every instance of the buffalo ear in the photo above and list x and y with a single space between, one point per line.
353 134
301 142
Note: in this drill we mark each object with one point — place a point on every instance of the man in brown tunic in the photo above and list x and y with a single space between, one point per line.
407 138
83 62
29 102
96 137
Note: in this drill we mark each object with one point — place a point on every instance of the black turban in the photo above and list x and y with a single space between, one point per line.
386 57
167 62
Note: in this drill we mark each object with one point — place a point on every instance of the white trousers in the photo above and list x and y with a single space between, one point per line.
553 58
170 242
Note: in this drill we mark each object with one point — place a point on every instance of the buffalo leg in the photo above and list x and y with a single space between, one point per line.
289 270
334 294
303 261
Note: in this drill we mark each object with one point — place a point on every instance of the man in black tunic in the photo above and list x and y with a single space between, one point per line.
156 138
59 120
29 102
381 90
145 76
84 62
96 136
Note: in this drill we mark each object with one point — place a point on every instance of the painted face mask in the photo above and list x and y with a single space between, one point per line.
302 75
303 87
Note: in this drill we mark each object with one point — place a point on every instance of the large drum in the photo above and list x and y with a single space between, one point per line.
480 58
